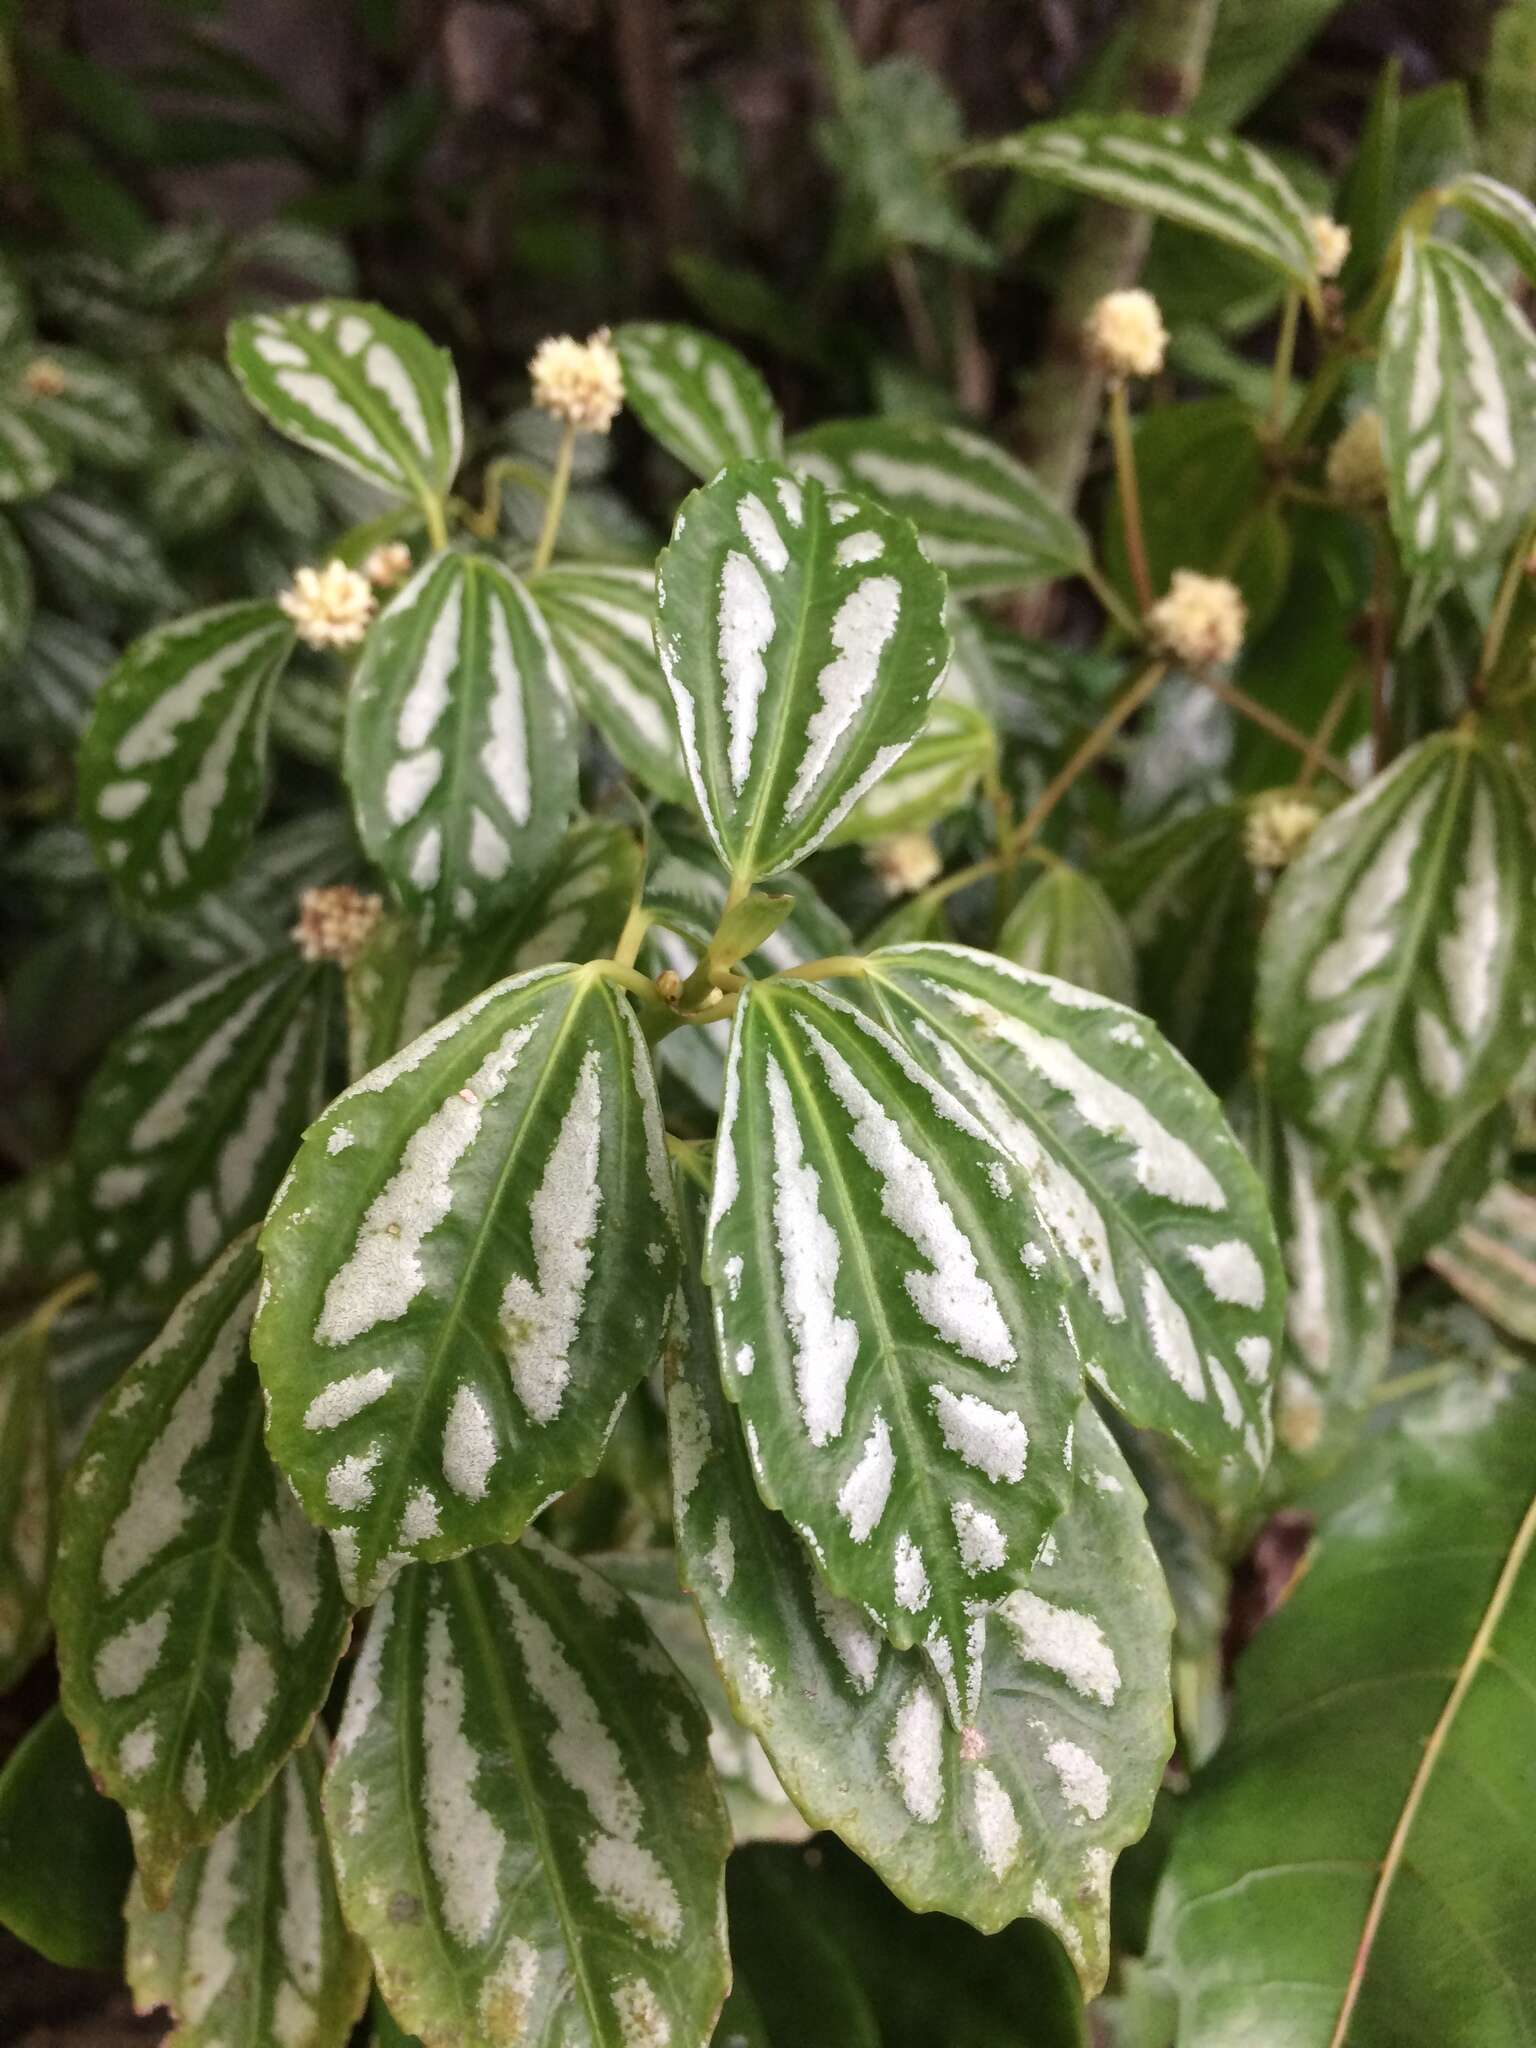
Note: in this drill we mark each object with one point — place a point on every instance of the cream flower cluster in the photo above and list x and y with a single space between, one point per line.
1330 245
388 564
330 607
1277 827
1200 620
1357 465
905 863
1125 334
335 923
45 377
580 382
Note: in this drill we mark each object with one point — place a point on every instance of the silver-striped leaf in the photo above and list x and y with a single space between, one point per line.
398 988
1397 982
62 667
1491 1259
802 636
199 1614
698 396
1456 379
32 459
88 544
601 618
29 1499
1064 925
1132 1173
90 1345
1179 170
195 490
1502 212
40 1242
1427 1199
460 750
980 516
16 595
251 1946
193 1115
469 1268
936 775
353 383
99 412
526 1828
1024 1809
173 765
894 1321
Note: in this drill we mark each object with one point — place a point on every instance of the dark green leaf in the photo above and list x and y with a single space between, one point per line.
65 1854
1064 925
29 1499
701 400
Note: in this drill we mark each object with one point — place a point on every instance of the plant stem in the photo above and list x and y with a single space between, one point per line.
1130 493
636 925
1376 623
1092 747
1503 605
835 967
559 484
47 1313
1337 705
1112 601
1281 728
1285 356
437 523
924 336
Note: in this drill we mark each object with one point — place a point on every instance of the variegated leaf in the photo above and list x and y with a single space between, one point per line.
90 1346
97 410
1429 1197
802 636
309 714
88 545
1397 986
937 773
355 384
699 397
199 1615
1179 170
40 1242
195 490
526 1828
1064 925
398 989
601 619
251 1946
16 595
193 1115
32 460
459 747
1491 1259
65 664
1023 1810
1132 1173
29 1494
980 516
1342 1280
470 1266
1456 377
1500 210
893 1321
173 766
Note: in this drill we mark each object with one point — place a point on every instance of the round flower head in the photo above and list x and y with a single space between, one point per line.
335 923
1330 245
1200 621
330 607
1357 465
906 862
1277 827
580 382
45 377
388 564
1125 334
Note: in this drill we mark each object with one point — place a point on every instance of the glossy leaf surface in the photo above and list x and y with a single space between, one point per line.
1064 925
699 397
65 1855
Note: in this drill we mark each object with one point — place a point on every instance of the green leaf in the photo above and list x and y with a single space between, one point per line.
65 665
526 1828
879 1272
353 383
1132 1174
1023 1809
1455 374
90 1346
1435 1192
252 1946
698 396
980 516
793 1983
40 1241
399 989
601 619
196 490
1508 216
192 1116
199 1615
898 125
29 1490
1178 170
1332 1846
1491 1259
15 595
100 413
459 746
1064 925
936 775
15 307
65 1855
32 460
802 636
1397 987
173 765
87 545
470 1267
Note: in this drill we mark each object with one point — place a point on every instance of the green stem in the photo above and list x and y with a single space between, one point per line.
1285 356
1130 493
636 925
559 485
437 522
1503 605
835 967
1311 750
1091 748
47 1313
1112 601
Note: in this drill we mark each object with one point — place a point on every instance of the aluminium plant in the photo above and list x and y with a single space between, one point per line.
941 1333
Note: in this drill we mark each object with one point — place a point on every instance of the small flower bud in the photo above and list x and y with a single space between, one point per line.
1330 245
1125 334
669 984
45 377
1200 621
580 382
388 564
1277 827
335 923
905 863
330 607
1357 465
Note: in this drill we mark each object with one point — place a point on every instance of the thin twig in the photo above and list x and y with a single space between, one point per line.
1280 728
1337 706
924 336
1087 753
1130 492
